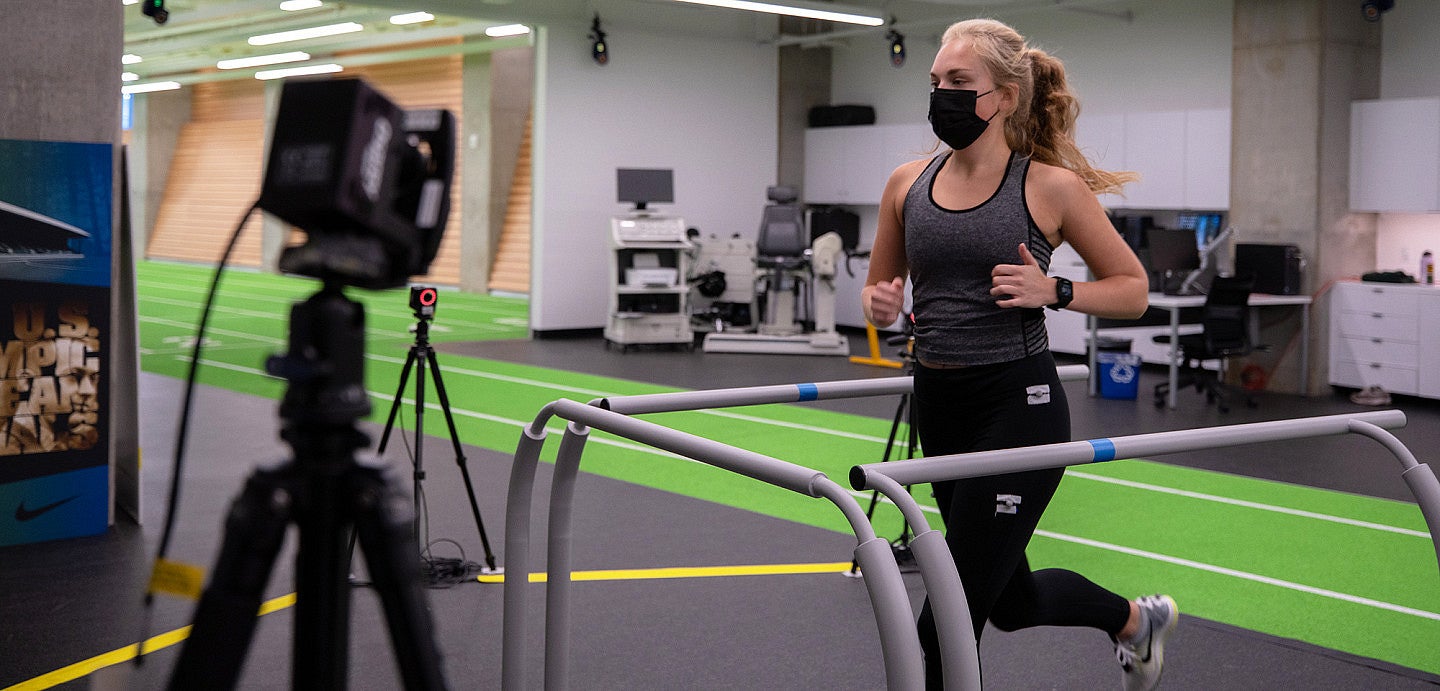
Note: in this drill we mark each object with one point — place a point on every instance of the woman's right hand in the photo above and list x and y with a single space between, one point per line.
886 300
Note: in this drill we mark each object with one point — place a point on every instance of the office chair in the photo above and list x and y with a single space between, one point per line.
1225 322
781 248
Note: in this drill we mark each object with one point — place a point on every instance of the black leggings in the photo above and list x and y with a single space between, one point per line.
989 520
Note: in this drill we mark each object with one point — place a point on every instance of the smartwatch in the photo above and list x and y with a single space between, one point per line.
1064 293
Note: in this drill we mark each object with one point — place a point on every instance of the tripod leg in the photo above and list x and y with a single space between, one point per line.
226 616
395 404
383 524
460 457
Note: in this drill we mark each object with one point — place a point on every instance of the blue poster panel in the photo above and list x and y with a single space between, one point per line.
55 244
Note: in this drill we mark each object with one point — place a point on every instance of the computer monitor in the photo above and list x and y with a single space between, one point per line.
644 186
1205 225
1172 251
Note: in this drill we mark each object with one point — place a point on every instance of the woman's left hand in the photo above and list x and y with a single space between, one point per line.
1022 285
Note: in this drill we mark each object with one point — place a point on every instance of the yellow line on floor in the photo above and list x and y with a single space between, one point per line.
85 668
684 572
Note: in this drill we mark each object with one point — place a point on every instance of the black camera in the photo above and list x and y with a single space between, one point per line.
422 301
369 183
155 9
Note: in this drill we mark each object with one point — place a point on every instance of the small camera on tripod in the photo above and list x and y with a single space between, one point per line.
368 182
422 301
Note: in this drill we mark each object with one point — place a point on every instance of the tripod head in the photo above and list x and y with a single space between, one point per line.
325 363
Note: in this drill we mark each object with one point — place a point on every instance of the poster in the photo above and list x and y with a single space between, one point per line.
55 246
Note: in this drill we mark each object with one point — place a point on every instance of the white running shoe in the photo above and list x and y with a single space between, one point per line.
1142 661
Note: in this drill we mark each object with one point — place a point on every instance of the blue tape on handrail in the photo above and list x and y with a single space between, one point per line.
1104 450
808 392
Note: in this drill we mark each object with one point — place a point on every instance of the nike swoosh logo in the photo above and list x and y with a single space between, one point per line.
23 514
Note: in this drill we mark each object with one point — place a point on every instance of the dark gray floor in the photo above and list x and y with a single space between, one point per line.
67 601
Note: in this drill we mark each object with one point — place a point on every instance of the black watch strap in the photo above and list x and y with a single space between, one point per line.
1064 293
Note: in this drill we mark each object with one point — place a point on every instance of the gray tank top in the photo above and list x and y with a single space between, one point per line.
951 254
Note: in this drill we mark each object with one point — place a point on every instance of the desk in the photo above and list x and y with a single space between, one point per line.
1174 303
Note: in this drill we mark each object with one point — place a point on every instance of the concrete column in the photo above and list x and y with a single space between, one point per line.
1297 65
154 132
479 228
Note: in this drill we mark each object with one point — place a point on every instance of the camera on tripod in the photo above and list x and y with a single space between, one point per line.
368 182
422 301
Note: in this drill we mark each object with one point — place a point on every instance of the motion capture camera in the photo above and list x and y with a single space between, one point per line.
155 9
369 183
422 301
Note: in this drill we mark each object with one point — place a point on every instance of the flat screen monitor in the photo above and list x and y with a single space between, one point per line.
1206 226
645 186
1172 251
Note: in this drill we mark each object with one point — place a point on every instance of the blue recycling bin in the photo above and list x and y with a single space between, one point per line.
1117 369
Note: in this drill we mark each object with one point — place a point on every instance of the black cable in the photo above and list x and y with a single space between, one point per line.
174 501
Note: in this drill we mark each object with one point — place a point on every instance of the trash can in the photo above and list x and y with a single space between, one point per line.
1117 369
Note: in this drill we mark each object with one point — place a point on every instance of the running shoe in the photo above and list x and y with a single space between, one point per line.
1141 661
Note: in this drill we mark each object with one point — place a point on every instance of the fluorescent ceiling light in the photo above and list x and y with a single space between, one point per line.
129 76
293 5
130 59
258 60
148 87
302 34
507 30
411 18
129 2
793 10
298 71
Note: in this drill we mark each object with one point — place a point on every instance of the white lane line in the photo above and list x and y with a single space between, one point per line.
1248 504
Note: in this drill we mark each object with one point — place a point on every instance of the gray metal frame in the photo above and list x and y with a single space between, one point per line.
891 477
894 617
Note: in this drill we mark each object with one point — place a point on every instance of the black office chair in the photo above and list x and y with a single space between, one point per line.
782 248
1225 321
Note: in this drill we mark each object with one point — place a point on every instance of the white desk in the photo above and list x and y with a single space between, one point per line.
1174 303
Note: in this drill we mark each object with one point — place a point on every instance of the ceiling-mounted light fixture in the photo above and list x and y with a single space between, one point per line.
302 34
507 30
148 87
411 18
261 60
798 8
130 59
298 71
297 5
599 49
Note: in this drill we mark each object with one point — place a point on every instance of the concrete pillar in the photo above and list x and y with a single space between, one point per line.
1297 65
479 226
156 119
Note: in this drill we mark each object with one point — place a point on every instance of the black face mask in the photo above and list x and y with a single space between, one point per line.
952 116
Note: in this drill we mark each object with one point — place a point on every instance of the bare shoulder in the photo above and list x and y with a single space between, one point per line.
906 173
1055 182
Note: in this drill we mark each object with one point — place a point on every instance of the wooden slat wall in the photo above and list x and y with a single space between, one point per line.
511 269
219 163
214 177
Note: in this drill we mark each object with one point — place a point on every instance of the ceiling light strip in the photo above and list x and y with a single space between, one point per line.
261 60
148 87
302 34
328 68
411 18
792 11
507 30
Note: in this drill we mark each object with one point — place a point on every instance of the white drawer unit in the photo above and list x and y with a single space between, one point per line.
1376 337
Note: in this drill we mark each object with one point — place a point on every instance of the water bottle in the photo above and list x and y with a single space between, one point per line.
1427 268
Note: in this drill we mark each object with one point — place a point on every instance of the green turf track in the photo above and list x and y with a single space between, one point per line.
1361 589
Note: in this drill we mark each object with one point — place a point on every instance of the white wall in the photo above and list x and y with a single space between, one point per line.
1174 55
1408 69
704 107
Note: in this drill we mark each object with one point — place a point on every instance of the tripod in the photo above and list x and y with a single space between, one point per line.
905 411
420 354
324 491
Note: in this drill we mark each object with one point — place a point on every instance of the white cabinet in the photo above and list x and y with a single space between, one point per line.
1182 156
1429 344
1395 155
1375 336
